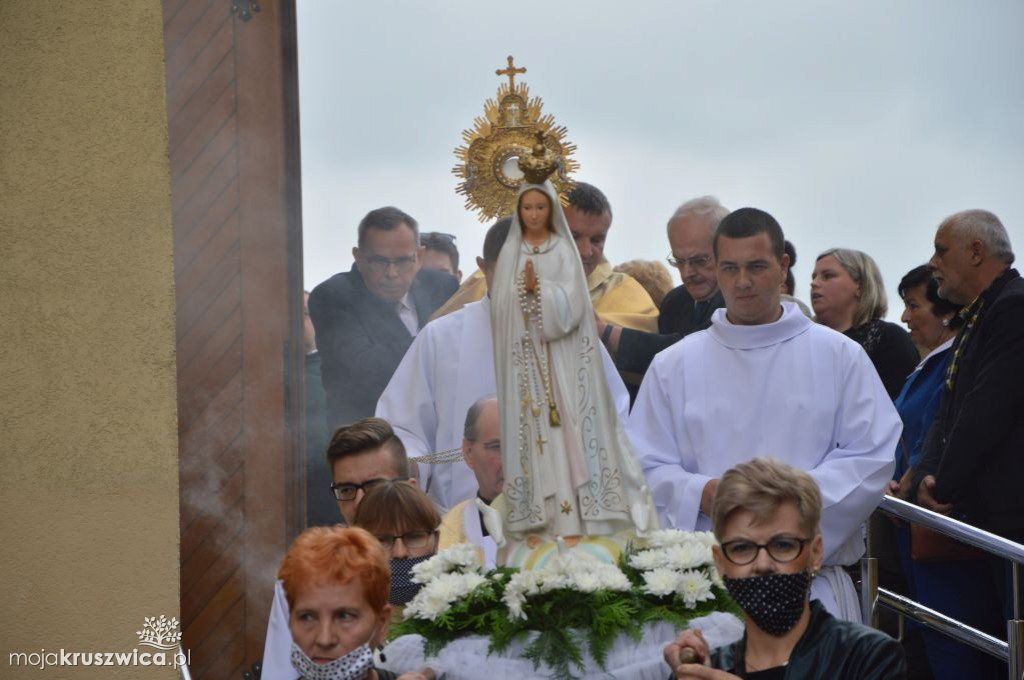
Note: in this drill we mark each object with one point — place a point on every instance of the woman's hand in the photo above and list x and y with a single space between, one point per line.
426 673
529 277
689 648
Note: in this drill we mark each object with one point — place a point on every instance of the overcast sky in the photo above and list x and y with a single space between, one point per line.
857 124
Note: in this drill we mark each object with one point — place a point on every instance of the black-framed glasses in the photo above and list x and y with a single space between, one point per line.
429 238
411 539
782 549
697 261
345 491
381 263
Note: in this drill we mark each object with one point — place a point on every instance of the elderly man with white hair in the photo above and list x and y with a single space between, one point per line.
972 462
686 308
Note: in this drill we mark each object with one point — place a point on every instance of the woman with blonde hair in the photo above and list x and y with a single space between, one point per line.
766 516
847 295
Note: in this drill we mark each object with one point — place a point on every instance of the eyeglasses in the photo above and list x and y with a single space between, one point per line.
429 238
346 491
379 263
413 539
782 549
697 261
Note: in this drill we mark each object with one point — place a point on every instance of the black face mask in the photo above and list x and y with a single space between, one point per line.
402 587
774 602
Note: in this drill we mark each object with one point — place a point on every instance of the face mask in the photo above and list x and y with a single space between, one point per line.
402 587
351 666
773 601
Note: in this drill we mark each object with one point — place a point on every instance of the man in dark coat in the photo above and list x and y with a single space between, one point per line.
972 464
686 308
365 318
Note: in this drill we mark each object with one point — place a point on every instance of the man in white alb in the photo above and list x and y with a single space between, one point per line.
764 380
449 365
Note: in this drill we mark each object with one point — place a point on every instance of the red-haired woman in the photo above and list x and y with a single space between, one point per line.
336 581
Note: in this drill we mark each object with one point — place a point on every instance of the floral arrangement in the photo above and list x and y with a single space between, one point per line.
573 598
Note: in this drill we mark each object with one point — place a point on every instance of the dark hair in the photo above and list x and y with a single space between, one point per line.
386 219
940 307
747 222
589 200
396 506
366 435
442 243
790 279
495 238
469 430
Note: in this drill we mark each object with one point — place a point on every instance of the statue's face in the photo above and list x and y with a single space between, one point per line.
534 211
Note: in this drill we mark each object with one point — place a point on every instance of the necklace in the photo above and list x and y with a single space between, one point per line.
535 353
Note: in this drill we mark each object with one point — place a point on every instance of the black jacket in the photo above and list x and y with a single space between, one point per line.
975 447
361 339
675 321
829 648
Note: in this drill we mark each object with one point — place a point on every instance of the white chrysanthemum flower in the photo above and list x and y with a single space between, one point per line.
438 595
460 557
694 587
648 559
463 557
705 537
663 538
660 582
587 582
428 570
689 555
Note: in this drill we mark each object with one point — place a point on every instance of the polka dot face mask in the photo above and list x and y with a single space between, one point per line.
351 666
774 602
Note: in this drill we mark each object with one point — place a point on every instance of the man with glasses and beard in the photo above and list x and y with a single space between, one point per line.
366 318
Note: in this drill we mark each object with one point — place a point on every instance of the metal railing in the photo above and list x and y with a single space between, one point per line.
1011 651
183 668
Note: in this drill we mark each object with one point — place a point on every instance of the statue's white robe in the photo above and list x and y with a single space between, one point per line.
450 365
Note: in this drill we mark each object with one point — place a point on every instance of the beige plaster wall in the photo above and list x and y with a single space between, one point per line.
88 470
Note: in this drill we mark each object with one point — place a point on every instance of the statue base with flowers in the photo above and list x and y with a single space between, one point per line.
569 617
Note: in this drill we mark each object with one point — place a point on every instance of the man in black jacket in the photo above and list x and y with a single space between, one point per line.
686 308
365 318
972 464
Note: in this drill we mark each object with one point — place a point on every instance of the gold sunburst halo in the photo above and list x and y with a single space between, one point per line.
488 160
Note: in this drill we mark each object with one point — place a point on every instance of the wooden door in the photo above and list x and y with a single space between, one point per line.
233 142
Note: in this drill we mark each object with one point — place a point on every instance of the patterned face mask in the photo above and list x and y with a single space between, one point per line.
774 602
402 587
351 666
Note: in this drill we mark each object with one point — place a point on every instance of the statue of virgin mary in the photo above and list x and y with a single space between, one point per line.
569 469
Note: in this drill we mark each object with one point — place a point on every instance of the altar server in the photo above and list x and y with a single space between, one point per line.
765 380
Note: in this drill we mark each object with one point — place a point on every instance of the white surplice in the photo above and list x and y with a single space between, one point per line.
450 365
793 390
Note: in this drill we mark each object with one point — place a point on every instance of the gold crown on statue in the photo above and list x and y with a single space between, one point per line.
510 144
